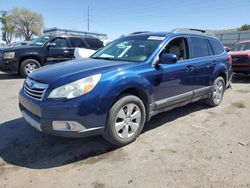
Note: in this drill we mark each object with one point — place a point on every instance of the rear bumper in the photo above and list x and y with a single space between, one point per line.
229 81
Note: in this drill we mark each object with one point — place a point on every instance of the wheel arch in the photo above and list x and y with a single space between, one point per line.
223 75
221 70
35 57
138 92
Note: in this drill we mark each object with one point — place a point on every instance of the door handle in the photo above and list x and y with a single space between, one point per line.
212 64
189 68
66 51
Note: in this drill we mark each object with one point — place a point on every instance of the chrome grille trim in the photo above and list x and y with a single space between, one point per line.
34 89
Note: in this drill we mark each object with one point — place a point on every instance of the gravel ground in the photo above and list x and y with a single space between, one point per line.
192 146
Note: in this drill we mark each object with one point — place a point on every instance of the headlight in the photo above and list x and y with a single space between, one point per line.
76 88
8 55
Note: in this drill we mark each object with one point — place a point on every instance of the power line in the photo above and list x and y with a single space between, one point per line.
88 19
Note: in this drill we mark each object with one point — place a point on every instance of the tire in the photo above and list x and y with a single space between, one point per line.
217 93
27 66
125 121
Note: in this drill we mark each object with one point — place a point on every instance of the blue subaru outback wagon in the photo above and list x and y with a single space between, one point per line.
124 84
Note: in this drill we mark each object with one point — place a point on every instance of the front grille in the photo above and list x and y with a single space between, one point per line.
34 89
240 59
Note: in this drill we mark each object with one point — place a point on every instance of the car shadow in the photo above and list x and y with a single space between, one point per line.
241 78
169 116
9 76
22 145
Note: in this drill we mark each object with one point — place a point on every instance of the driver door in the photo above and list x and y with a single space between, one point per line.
174 82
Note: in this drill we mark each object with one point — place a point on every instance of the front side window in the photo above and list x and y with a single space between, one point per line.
131 48
241 47
178 47
199 47
60 42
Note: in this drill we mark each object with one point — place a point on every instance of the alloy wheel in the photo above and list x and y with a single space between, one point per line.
218 92
128 120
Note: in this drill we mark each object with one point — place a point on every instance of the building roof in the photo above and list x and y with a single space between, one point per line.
65 31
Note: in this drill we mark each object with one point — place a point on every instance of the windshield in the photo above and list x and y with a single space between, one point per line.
39 41
131 48
241 47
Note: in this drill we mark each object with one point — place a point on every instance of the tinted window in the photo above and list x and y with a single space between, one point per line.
199 47
76 42
60 42
217 47
94 43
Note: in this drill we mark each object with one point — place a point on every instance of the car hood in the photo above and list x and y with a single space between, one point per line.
66 72
16 48
234 53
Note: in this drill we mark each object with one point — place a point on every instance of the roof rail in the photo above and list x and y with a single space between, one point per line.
139 32
68 35
193 31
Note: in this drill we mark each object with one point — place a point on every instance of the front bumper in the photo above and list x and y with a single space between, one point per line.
241 69
9 65
43 115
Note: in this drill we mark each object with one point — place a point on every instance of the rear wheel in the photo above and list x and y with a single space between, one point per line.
126 120
28 66
217 93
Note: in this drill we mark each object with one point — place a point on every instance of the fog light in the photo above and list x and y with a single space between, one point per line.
67 126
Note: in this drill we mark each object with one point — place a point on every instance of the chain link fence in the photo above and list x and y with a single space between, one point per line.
230 38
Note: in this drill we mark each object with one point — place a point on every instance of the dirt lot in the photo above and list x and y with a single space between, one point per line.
192 146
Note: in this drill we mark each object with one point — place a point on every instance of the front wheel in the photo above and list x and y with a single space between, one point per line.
126 120
28 66
217 93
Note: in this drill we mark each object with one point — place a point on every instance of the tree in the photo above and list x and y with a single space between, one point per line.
27 23
245 27
8 27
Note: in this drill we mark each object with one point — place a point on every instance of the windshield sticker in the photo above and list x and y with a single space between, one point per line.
156 38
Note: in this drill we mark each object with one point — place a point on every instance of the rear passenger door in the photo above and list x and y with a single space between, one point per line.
203 61
76 42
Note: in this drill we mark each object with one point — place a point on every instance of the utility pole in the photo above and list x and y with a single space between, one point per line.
88 19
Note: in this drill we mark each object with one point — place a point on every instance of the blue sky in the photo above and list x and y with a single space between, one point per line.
122 17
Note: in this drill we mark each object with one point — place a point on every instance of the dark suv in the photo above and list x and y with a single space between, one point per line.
124 84
44 50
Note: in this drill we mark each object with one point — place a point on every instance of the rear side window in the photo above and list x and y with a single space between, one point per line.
216 46
76 42
199 47
94 43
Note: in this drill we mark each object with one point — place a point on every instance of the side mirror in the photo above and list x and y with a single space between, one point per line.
51 44
166 58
